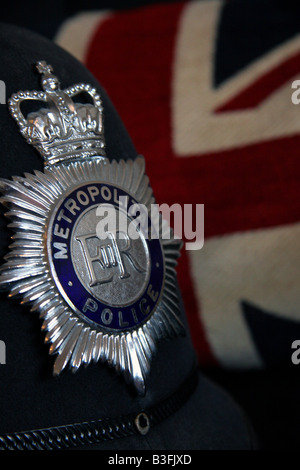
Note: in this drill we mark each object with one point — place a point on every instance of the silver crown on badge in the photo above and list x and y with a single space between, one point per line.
64 130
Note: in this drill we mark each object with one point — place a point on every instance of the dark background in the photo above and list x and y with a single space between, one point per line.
45 17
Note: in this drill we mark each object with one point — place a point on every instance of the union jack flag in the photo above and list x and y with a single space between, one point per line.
204 90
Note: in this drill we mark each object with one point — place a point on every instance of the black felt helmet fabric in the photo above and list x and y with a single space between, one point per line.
30 396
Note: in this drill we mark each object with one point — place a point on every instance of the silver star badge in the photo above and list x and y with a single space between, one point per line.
103 284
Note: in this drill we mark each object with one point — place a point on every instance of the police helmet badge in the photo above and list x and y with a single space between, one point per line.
87 252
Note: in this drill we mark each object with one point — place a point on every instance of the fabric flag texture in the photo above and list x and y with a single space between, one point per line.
204 89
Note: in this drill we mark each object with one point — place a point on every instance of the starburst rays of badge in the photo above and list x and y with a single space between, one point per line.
26 272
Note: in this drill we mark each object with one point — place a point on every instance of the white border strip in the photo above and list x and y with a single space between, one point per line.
76 33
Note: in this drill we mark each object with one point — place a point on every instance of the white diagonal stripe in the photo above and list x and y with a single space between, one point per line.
196 129
260 266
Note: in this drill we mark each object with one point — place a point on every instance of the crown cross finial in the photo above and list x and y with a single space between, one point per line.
43 67
63 130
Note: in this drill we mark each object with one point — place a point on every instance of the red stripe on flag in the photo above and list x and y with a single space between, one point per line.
252 187
137 74
264 86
